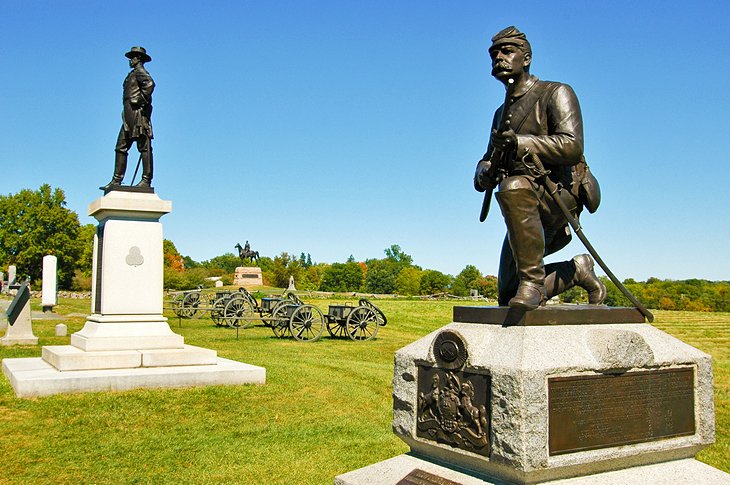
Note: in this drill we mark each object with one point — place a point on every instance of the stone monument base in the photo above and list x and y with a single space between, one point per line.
248 276
408 469
33 377
561 394
115 356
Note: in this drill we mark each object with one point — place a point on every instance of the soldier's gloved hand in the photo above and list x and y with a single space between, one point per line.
507 140
482 180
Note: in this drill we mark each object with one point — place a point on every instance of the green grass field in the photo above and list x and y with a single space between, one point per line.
326 408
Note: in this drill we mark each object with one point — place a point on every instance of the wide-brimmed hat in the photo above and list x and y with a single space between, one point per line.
138 51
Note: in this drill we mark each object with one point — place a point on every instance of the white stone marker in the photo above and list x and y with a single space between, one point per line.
19 328
49 290
61 330
126 342
11 274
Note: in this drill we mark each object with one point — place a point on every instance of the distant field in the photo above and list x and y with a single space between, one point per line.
326 408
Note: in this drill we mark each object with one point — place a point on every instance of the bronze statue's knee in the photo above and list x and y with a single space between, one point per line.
514 183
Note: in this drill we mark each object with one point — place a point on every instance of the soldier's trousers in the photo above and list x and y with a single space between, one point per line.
144 146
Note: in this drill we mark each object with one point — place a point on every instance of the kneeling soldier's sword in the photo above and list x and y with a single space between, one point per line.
554 191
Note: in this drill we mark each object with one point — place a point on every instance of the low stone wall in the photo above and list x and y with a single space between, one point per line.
74 295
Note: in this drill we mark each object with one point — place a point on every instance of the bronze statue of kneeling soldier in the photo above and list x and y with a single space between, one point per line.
537 137
136 120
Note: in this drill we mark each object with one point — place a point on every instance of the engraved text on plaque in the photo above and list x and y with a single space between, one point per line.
589 412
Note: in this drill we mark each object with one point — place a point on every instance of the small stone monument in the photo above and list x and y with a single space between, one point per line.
248 276
291 284
19 328
61 330
49 297
11 275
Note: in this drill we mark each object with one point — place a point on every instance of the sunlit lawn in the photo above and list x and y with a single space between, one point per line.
326 408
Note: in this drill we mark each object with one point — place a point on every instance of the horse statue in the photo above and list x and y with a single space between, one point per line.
246 253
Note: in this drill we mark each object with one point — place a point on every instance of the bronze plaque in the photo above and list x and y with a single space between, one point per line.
590 412
453 408
547 315
421 477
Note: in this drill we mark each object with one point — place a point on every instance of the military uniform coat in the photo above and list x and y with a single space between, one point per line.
547 119
137 101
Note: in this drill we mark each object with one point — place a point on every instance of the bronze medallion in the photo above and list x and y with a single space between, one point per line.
449 350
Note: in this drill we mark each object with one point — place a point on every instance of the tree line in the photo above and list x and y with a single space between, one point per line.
393 274
34 223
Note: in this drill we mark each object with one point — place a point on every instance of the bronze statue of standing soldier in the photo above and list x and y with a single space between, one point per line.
136 120
541 121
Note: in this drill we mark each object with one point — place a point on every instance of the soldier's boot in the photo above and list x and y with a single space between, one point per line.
146 169
120 166
578 271
527 240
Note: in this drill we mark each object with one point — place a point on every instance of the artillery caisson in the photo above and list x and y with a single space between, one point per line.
356 322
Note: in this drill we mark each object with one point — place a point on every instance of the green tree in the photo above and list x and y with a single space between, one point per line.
433 282
466 280
381 276
342 277
487 286
34 224
190 263
286 266
228 262
408 281
395 254
86 238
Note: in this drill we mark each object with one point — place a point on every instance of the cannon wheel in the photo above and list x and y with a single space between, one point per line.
247 294
216 312
279 321
362 323
269 319
336 328
307 323
382 321
177 304
190 304
293 297
238 312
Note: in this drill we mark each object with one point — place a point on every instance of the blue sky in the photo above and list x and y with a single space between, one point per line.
342 127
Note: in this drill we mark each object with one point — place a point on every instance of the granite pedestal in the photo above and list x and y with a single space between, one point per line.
126 342
248 276
515 397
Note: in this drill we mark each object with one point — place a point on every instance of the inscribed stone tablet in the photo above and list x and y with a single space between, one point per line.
421 477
